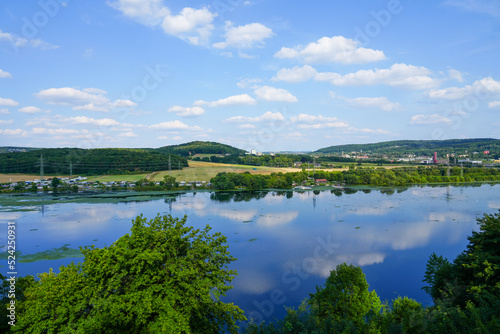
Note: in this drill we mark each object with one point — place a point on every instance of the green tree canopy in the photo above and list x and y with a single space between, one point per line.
163 277
345 297
474 275
170 182
55 183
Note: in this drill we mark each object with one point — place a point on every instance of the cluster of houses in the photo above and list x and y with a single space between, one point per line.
82 184
40 184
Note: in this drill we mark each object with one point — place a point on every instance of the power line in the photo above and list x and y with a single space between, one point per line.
41 167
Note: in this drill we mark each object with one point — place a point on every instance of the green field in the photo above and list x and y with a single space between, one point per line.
109 178
204 171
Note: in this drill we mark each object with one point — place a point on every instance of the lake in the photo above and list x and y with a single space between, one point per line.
286 243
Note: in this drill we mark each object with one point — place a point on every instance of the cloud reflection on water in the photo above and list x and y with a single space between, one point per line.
274 219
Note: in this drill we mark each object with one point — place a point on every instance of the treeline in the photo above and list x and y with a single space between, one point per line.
200 147
226 181
280 160
89 161
407 176
421 147
357 176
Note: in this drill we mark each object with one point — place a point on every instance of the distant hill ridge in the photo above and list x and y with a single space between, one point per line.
424 147
200 147
89 161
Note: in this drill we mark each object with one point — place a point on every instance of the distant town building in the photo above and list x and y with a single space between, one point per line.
435 158
469 161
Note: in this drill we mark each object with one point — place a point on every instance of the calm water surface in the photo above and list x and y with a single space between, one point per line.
285 243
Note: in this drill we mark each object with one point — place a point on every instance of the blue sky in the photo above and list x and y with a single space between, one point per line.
265 74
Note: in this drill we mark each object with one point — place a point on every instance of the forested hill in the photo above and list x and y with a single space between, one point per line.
89 161
200 147
420 147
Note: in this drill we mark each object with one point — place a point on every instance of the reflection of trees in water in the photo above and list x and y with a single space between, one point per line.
221 197
170 200
336 192
238 196
388 191
280 193
349 191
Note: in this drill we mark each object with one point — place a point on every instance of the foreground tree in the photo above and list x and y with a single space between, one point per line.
345 298
11 295
163 277
474 275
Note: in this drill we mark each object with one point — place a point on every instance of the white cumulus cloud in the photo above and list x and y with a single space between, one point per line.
399 75
147 12
4 74
29 110
186 111
296 74
246 83
174 125
244 99
89 99
268 93
455 75
18 41
483 88
128 134
494 104
45 131
192 25
268 116
245 36
93 121
336 49
429 119
16 132
381 103
8 102
71 96
307 121
124 103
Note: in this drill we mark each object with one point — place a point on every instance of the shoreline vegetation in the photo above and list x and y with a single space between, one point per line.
297 180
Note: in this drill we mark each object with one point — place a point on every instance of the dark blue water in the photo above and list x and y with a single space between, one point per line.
285 243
